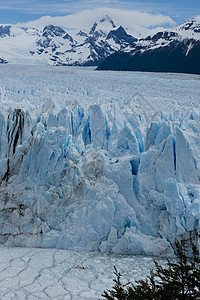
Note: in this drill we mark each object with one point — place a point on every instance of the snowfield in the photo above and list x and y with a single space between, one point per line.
98 161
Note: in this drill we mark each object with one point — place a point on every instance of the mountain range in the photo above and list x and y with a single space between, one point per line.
53 45
104 44
175 50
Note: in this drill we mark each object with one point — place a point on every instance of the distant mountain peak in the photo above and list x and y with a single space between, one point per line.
120 34
192 25
53 31
107 19
105 24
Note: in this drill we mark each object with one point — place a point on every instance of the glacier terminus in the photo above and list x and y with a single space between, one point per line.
99 161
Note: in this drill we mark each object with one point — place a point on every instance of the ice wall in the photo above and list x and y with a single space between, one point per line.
76 179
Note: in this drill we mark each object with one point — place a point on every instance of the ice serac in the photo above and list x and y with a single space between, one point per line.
98 177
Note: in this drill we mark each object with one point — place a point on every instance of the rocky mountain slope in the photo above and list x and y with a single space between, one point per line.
175 50
55 46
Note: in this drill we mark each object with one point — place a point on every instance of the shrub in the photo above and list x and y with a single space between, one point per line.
180 279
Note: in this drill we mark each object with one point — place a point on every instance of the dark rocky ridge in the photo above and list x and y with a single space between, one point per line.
175 51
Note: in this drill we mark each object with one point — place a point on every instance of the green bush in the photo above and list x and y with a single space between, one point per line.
180 279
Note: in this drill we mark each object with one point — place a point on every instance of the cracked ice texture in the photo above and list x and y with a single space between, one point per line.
51 274
99 161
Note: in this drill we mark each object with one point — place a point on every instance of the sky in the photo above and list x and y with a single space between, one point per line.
13 11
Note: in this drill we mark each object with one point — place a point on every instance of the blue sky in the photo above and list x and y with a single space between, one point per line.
13 11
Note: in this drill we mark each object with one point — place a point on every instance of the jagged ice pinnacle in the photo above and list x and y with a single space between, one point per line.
98 161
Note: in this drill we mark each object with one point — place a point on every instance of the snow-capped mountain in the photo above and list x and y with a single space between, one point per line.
174 50
55 46
190 29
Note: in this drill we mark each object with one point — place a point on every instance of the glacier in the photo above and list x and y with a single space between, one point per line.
98 161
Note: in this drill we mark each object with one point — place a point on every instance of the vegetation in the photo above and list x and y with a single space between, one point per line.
180 279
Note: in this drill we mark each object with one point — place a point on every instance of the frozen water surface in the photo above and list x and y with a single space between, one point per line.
98 161
30 274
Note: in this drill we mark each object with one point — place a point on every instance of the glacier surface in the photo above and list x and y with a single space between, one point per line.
98 161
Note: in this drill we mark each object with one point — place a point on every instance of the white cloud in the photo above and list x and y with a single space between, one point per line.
130 19
176 9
